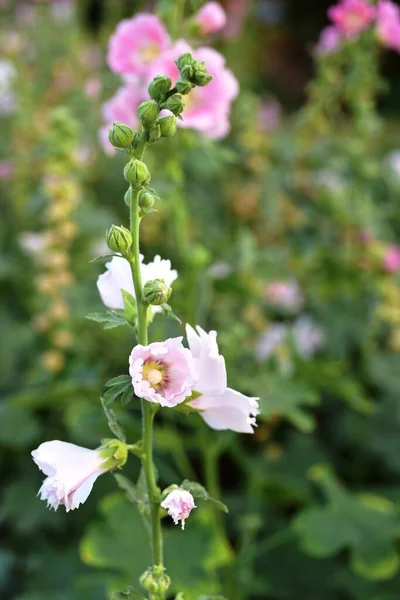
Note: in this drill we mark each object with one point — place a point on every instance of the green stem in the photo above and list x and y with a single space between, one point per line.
147 408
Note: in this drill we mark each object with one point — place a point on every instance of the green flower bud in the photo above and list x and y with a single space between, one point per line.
148 112
184 60
155 580
175 104
184 87
188 72
119 239
201 78
148 582
156 292
146 202
167 126
155 132
136 173
128 197
121 136
159 87
116 453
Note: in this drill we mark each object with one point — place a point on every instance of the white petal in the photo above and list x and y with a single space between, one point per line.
229 410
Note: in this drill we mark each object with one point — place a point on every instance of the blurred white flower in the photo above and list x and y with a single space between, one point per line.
393 160
32 243
270 340
7 96
308 337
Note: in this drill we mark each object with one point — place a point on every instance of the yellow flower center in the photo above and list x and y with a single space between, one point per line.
149 53
154 374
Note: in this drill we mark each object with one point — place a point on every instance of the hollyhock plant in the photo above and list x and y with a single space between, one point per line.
219 406
118 277
162 372
391 259
352 16
388 24
329 40
210 18
121 108
179 504
136 44
71 472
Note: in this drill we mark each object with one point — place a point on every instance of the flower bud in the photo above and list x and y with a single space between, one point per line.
167 126
146 202
156 292
159 87
187 72
155 132
155 580
175 104
136 173
183 86
184 59
148 112
121 136
128 197
201 79
119 239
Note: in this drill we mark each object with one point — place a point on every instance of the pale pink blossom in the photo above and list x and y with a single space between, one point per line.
352 16
388 24
207 109
329 40
136 44
118 277
162 372
391 259
6 169
122 108
307 336
71 472
179 503
210 18
270 340
219 406
284 294
93 87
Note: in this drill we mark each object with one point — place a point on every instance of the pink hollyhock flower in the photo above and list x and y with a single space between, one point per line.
329 40
118 277
122 108
6 169
219 406
391 259
388 24
211 18
71 472
352 16
179 503
136 44
162 372
207 108
285 294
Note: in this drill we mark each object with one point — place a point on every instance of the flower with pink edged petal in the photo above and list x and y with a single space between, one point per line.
329 40
352 16
388 24
122 108
219 406
179 503
162 372
391 259
136 44
71 472
210 18
207 109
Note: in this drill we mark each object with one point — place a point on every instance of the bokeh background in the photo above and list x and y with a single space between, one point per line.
284 236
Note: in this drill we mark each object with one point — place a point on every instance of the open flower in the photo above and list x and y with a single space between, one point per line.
71 472
352 16
179 503
391 259
219 406
388 24
136 44
210 18
118 277
162 372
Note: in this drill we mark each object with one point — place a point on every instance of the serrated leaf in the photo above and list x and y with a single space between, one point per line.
166 310
113 422
109 319
118 386
198 491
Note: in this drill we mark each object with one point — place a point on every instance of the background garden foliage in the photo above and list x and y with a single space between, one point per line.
304 191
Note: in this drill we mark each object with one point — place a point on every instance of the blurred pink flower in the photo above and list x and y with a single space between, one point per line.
219 406
207 108
388 24
179 503
352 16
162 372
236 11
285 294
136 44
329 40
391 259
92 87
122 108
6 169
269 114
211 18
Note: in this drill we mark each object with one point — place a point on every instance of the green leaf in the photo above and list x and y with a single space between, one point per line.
113 422
118 386
130 307
129 594
109 319
365 524
198 491
166 310
128 487
97 258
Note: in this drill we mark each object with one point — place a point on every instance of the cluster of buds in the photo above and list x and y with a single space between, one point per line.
155 581
192 73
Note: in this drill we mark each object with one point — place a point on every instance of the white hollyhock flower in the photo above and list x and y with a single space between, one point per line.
219 406
179 503
71 472
118 277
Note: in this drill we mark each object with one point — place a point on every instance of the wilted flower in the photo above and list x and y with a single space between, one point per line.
391 259
210 18
219 406
388 24
352 16
179 503
329 40
162 372
71 472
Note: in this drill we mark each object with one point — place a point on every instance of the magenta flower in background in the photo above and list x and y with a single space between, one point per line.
352 16
122 108
391 259
329 40
388 24
179 503
211 18
136 44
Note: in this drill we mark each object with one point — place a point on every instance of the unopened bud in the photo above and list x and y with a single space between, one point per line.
136 173
159 87
184 60
167 126
201 79
115 452
187 72
146 202
156 292
148 112
128 197
155 132
121 136
183 86
175 104
119 239
155 580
